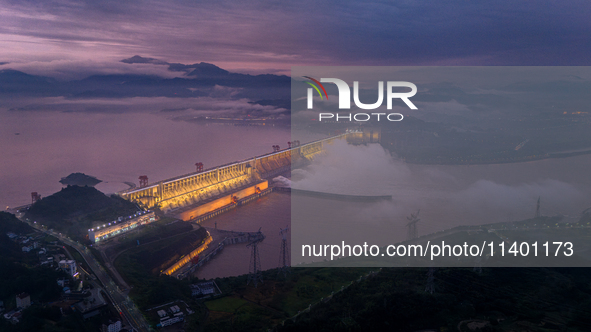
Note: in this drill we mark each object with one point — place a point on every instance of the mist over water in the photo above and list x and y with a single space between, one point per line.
118 147
38 149
447 195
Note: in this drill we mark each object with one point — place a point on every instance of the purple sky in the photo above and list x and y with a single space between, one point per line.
70 38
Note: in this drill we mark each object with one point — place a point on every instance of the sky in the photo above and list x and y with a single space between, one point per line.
70 39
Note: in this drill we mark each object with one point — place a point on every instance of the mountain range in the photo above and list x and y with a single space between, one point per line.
196 80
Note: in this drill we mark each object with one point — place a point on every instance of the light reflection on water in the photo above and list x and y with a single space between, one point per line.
120 147
114 148
270 213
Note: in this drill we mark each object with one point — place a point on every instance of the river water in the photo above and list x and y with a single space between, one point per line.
270 213
38 148
446 195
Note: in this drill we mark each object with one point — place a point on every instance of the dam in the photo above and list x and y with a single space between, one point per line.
192 195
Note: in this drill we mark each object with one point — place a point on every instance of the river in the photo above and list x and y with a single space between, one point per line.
38 149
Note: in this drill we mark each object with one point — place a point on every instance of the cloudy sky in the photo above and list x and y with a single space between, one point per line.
64 37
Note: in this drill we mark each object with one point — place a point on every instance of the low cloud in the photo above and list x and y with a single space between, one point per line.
78 69
238 34
447 196
176 108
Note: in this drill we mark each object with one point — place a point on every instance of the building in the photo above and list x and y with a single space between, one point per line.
13 316
63 282
204 288
105 231
161 313
112 327
170 321
68 266
23 300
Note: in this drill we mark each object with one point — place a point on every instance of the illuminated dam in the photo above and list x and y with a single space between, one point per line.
193 195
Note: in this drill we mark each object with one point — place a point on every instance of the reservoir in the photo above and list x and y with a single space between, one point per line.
39 148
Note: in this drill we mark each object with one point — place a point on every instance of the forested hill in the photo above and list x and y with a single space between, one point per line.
78 206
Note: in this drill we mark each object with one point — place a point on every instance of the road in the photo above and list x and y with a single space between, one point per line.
120 300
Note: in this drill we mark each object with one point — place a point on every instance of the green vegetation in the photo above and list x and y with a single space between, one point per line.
9 223
11 252
74 209
19 274
504 299
246 308
395 299
15 275
159 255
80 179
391 299
39 282
140 266
48 318
163 228
50 238
226 304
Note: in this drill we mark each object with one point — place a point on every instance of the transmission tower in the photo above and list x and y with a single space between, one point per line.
284 255
412 226
254 270
478 265
538 208
430 288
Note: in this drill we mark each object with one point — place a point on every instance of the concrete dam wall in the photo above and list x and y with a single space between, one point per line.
186 192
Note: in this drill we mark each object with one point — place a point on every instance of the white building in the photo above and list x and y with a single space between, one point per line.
107 230
112 327
69 266
23 300
167 322
203 288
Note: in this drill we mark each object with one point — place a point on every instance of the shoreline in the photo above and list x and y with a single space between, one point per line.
551 155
